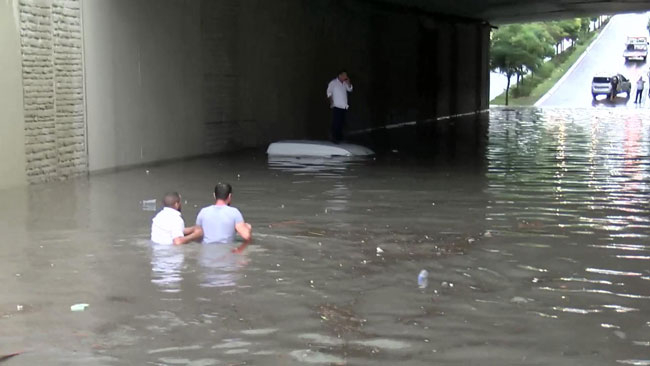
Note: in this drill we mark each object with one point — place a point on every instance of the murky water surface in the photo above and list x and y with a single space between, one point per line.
537 250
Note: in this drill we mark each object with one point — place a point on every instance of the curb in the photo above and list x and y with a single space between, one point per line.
550 92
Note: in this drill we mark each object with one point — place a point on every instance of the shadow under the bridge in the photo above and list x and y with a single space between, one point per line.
460 140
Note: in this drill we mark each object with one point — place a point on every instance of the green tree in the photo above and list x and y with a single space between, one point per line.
585 24
572 29
518 48
504 55
537 41
557 34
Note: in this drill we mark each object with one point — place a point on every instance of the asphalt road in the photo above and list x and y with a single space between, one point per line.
604 57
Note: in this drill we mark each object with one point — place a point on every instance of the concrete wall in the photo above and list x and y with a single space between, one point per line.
176 78
53 99
12 122
143 76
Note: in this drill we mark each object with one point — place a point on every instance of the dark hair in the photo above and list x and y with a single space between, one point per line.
222 191
171 198
341 72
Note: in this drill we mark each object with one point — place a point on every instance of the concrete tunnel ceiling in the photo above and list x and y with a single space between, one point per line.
510 11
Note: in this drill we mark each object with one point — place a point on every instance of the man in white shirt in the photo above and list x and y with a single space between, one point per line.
337 93
168 227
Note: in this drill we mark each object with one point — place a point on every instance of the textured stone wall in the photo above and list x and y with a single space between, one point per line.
219 38
51 39
228 116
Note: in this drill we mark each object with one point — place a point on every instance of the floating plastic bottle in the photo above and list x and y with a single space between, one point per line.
78 307
423 279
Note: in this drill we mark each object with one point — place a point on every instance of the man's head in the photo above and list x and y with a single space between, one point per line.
223 192
343 76
172 200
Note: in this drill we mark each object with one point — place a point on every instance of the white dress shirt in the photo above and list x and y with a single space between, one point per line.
338 91
166 226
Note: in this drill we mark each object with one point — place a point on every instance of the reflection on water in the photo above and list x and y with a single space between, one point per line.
220 267
321 167
338 168
167 266
578 184
535 240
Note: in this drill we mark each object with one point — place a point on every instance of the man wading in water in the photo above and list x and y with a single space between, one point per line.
168 227
220 222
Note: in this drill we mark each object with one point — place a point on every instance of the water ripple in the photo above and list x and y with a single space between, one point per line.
613 273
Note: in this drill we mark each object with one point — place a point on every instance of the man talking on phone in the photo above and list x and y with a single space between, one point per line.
337 93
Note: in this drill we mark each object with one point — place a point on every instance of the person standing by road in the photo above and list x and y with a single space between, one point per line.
639 90
220 222
337 93
614 87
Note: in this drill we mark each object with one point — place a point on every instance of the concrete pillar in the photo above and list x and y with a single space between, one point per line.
12 123
52 76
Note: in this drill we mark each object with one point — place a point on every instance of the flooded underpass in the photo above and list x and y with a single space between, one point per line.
536 246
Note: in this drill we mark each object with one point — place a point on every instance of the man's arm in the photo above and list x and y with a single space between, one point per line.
244 230
199 219
348 85
329 94
194 233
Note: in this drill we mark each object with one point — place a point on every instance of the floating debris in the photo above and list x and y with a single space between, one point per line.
423 279
148 205
11 355
79 307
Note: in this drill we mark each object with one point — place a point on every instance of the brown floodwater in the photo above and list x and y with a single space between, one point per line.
534 231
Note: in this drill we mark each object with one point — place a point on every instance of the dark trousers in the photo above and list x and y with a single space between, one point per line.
338 121
639 96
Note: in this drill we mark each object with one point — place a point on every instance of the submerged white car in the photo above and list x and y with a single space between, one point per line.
602 85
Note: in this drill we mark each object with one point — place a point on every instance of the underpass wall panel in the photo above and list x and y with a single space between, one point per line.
467 73
444 76
483 91
288 53
144 81
395 82
171 79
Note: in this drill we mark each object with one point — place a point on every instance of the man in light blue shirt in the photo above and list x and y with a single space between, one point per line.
220 222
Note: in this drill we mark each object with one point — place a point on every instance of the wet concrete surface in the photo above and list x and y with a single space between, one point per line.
535 240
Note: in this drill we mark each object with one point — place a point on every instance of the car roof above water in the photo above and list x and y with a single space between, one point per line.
602 79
